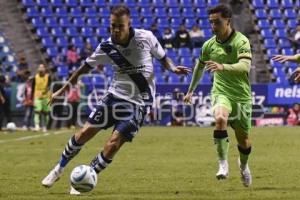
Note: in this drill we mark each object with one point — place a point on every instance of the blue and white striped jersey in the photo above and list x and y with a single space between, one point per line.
133 78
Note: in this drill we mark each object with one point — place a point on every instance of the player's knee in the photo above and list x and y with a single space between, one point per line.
221 121
245 144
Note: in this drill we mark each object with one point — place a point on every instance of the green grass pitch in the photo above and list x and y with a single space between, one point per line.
161 163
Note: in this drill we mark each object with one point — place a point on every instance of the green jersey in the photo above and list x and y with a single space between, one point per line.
233 83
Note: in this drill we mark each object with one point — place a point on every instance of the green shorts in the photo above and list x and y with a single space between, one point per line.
240 113
40 105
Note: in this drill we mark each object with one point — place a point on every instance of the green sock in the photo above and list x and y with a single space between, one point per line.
222 143
36 118
244 154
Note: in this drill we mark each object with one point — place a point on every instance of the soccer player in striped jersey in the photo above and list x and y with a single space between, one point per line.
228 56
130 52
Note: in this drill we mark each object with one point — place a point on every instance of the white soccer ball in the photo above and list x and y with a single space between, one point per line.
11 127
83 178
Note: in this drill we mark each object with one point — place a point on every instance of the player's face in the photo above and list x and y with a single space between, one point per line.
119 27
219 25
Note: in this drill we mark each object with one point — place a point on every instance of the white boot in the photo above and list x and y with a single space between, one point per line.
246 176
223 172
53 176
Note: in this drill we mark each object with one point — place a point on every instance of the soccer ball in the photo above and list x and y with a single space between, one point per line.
83 178
11 127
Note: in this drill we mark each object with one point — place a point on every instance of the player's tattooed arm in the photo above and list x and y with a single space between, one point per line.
168 64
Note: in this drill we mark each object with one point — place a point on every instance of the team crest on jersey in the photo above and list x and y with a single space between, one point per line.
228 49
140 45
126 52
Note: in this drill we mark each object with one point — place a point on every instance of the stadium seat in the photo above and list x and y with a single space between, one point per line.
172 3
71 3
93 41
51 22
105 22
47 12
175 22
61 12
93 22
275 14
204 24
78 42
56 3
272 52
72 32
134 13
186 3
62 71
62 42
32 12
290 14
188 12
184 52
212 2
76 12
272 4
163 21
136 22
146 12
130 3
207 33
278 23
281 33
102 32
100 3
284 43
200 4
147 21
104 12
158 3
42 32
28 3
261 14
264 24
287 51
52 52
57 32
258 4
47 42
201 13
87 32
187 61
160 12
266 33
174 12
115 2
190 22
292 23
86 3
269 43
42 3
90 12
65 22
78 22
144 3
37 22
196 52
171 52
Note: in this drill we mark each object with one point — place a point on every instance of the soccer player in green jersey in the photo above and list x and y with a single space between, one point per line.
227 55
295 58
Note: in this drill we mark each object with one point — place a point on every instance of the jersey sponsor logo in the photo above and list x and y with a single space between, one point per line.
126 52
140 45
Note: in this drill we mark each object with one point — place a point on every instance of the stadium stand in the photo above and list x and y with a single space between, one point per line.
8 60
59 23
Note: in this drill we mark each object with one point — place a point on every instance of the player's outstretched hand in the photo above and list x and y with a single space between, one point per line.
213 66
282 58
296 75
56 95
188 98
182 70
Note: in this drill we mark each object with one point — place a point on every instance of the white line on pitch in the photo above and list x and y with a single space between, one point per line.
32 136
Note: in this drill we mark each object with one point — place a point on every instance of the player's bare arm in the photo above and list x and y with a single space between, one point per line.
168 64
285 58
83 69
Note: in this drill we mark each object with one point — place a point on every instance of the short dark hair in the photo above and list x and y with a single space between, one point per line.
221 8
120 10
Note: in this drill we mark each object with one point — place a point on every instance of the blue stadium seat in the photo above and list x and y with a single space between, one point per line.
71 3
273 4
136 22
51 22
147 21
269 43
187 61
275 14
172 3
290 14
190 22
263 23
28 3
188 12
204 24
105 22
278 23
104 12
47 12
62 42
42 32
284 43
37 22
93 22
61 12
86 3
32 12
292 23
76 12
258 4
174 78
272 52
130 3
281 33
62 71
160 12
100 3
186 3
196 52
87 32
275 64
184 52
266 33
52 52
207 33
200 4
48 42
144 3
146 12
56 3
93 41
171 52
261 14
158 3
114 2
134 13
212 2
201 13
65 22
287 3
78 22
102 32
77 41
287 51
174 12
42 3
90 12
163 21
175 22
72 32
57 32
